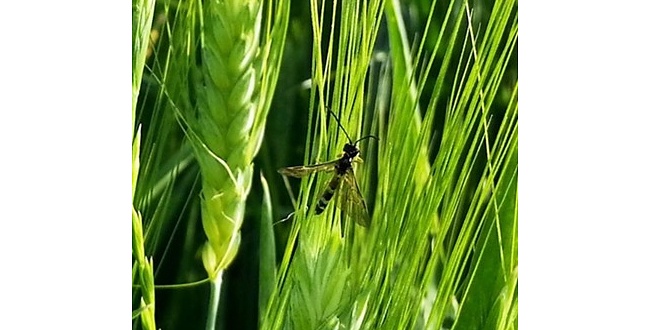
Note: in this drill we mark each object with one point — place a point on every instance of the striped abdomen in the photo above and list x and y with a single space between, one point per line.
327 195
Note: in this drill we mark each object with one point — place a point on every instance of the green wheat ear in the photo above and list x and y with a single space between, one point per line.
234 83
240 47
227 102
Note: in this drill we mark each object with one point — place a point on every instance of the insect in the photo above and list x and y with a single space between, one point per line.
349 198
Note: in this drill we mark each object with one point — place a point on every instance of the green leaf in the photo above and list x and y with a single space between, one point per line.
267 273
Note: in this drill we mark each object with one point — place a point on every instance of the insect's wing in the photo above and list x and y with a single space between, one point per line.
351 202
300 171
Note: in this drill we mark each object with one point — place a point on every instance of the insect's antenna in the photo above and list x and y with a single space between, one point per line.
366 137
339 122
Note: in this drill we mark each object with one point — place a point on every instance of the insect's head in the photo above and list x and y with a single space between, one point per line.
350 150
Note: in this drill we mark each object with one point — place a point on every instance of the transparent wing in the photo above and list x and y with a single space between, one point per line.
351 201
300 171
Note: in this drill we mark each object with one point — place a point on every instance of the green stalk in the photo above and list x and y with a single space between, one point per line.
215 292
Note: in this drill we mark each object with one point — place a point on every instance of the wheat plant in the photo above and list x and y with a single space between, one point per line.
142 270
218 237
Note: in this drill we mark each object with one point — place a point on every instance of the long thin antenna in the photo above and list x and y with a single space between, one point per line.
366 137
341 126
346 133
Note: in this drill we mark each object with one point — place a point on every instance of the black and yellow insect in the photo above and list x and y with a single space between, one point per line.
349 198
